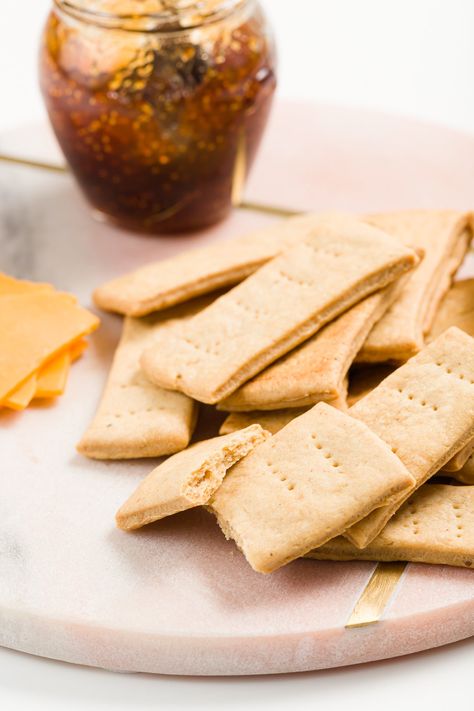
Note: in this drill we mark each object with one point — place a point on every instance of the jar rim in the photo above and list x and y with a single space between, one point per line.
180 16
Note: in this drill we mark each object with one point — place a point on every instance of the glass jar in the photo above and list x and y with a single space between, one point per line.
158 106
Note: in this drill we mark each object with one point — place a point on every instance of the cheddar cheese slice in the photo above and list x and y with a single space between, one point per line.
23 395
77 349
52 378
36 325
10 285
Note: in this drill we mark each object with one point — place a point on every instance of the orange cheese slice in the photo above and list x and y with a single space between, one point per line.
10 285
50 381
52 377
22 396
35 326
77 349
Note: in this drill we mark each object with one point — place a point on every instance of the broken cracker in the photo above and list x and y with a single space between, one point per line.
187 479
305 485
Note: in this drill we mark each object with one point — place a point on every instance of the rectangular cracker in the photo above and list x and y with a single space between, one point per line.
444 236
366 378
436 525
188 478
425 412
316 371
305 485
466 473
271 420
277 308
136 418
456 309
459 459
444 280
198 271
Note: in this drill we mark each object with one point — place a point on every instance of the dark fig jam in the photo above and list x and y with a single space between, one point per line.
160 114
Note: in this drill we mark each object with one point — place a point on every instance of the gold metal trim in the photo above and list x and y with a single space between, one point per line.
370 606
237 202
267 209
239 172
26 162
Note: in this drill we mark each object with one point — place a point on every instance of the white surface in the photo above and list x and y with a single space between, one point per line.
434 680
414 57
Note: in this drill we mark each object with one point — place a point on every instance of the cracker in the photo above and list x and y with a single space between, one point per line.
457 309
276 309
444 280
436 525
317 370
193 272
466 473
366 378
444 236
187 479
136 418
305 485
271 420
425 412
459 459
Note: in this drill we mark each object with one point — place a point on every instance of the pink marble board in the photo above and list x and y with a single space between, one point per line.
177 598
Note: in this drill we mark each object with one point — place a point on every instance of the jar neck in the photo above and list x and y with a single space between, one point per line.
160 16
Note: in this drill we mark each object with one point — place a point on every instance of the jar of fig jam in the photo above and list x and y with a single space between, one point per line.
158 106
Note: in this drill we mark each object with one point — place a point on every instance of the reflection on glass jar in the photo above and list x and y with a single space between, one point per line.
158 106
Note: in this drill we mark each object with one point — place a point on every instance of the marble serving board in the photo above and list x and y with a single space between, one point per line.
176 597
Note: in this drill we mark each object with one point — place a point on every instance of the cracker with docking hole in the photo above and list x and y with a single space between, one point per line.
425 412
436 525
277 308
188 478
456 309
366 378
136 418
193 272
271 420
305 485
317 370
444 235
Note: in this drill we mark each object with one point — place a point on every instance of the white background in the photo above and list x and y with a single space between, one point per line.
412 57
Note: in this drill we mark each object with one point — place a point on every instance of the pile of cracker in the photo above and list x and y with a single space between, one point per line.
340 350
